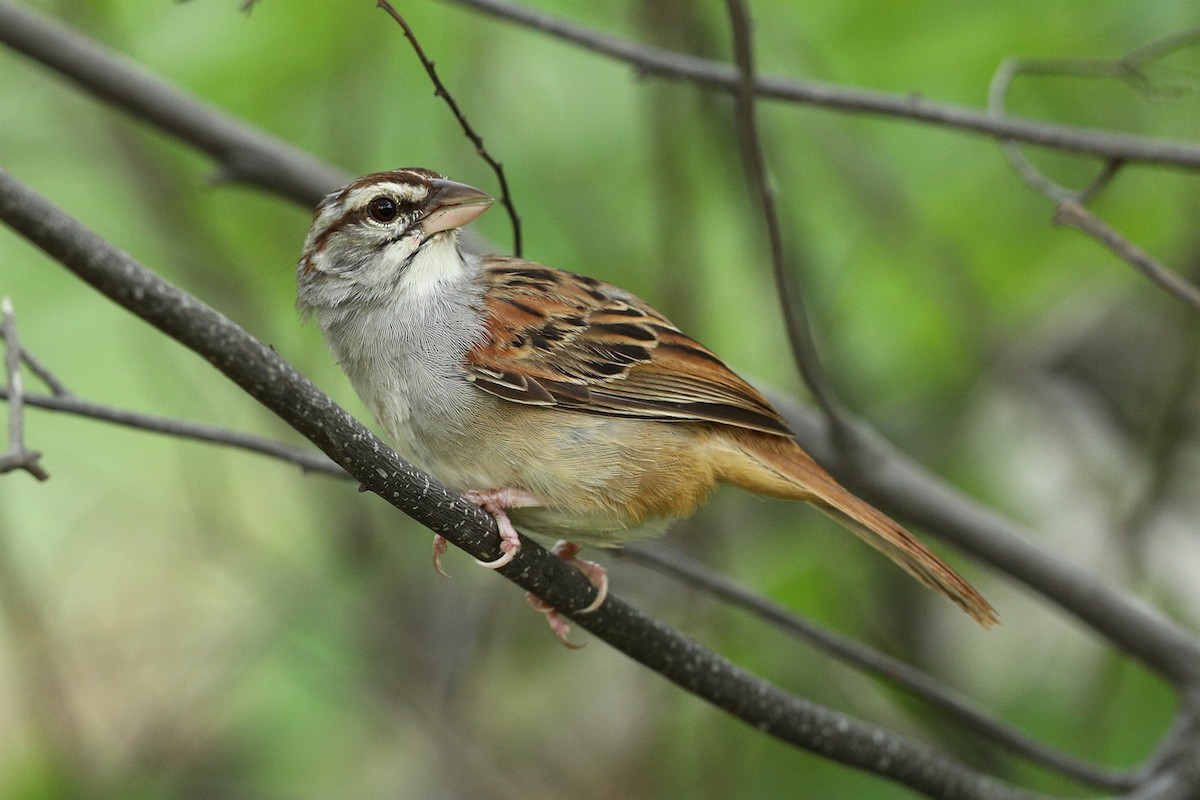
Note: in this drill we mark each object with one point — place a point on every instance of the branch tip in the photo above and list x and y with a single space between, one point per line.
440 90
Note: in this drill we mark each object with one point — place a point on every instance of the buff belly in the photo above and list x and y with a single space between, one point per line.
600 480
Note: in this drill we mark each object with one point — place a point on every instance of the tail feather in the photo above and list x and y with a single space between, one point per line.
908 552
791 473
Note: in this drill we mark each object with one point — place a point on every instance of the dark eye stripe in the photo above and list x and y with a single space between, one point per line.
347 216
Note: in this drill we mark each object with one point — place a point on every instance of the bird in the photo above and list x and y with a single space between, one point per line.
560 404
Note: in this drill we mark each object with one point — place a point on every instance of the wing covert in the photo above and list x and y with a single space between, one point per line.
557 339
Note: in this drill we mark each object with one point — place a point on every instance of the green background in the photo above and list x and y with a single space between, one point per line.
183 620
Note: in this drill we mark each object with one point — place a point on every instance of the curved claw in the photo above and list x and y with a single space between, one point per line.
595 573
495 504
439 550
508 556
558 626
601 584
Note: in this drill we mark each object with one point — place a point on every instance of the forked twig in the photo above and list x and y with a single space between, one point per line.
1037 180
441 91
17 457
56 387
1070 202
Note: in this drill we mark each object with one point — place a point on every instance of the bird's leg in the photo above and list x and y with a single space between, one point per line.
495 502
595 573
598 575
559 626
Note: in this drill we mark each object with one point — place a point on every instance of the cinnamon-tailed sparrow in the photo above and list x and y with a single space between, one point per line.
554 399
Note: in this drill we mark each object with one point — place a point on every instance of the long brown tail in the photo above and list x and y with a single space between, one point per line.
785 470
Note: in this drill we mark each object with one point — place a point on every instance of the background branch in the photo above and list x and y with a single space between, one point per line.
795 313
244 154
917 496
652 61
186 429
879 664
254 158
1077 216
1070 210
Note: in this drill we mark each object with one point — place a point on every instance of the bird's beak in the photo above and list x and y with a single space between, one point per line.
452 206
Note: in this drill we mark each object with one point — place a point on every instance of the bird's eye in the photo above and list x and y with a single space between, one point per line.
383 209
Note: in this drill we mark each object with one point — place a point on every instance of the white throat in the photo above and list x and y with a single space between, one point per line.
405 344
436 266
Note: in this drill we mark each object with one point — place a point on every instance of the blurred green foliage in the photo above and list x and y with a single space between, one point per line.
182 620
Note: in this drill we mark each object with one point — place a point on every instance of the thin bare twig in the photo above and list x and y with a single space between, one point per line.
795 313
64 401
1130 68
307 460
441 91
17 457
56 387
1037 180
1072 213
1102 178
40 370
1070 209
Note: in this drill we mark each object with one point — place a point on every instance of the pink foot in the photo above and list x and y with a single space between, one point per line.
496 502
558 625
595 573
